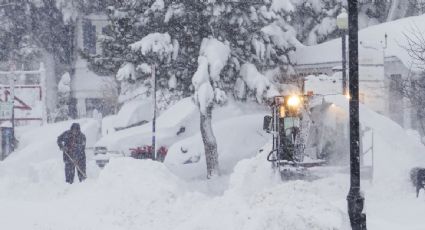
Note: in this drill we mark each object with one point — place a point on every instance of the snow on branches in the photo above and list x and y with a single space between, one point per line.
214 55
64 85
157 43
281 5
257 82
126 72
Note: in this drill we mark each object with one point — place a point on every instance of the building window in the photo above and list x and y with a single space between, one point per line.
89 37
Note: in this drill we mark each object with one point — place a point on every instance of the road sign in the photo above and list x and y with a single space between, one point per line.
6 109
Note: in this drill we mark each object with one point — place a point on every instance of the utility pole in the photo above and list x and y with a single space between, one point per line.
154 112
342 23
355 199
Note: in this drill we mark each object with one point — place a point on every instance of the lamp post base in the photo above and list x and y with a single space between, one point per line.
355 201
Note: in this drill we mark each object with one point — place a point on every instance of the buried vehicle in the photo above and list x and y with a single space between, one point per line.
306 134
174 124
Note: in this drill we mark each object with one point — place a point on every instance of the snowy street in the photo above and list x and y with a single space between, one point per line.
137 194
212 115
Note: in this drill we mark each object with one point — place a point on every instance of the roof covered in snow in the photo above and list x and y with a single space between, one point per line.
371 38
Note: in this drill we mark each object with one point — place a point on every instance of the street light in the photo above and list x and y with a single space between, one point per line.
342 23
355 199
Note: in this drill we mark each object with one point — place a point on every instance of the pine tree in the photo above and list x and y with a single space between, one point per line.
132 21
315 21
17 43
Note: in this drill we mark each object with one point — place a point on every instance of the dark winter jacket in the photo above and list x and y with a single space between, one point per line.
74 144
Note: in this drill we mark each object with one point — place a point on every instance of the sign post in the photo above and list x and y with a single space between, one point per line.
6 109
154 113
6 147
12 100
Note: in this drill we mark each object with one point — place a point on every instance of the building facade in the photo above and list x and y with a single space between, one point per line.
379 84
91 92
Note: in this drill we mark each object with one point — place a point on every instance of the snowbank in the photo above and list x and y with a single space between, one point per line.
396 152
141 194
37 142
135 194
237 138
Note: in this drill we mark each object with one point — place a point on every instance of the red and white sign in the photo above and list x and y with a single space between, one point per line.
28 102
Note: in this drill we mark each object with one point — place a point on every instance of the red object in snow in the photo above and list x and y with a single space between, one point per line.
146 151
141 152
162 151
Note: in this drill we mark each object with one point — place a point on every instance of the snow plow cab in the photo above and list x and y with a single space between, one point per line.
289 124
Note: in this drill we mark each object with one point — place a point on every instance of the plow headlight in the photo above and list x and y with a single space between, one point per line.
294 101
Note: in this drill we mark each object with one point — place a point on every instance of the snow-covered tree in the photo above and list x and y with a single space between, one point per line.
413 87
64 98
137 39
17 43
214 56
242 39
315 20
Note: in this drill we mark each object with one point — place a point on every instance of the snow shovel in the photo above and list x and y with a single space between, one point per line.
75 164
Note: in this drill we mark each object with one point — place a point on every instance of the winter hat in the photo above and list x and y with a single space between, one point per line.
75 126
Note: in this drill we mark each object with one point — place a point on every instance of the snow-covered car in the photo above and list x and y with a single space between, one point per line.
174 124
237 138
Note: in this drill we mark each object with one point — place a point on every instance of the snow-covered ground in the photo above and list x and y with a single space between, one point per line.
141 194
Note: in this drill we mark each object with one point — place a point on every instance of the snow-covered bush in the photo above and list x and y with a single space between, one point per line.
64 98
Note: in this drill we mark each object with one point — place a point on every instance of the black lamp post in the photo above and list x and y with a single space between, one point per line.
342 23
355 199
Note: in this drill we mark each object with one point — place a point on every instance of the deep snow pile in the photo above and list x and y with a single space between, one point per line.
137 194
390 199
396 152
134 194
238 138
37 146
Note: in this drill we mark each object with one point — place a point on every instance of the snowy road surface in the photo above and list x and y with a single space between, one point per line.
135 194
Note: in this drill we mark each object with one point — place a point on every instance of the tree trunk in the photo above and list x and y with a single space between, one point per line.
210 143
398 9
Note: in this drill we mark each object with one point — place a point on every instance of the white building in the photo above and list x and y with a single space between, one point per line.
91 91
383 65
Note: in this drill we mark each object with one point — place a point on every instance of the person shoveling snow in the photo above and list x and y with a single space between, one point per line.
72 143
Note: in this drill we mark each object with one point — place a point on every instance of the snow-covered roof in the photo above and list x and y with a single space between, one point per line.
373 36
